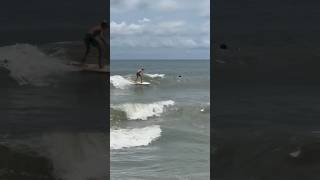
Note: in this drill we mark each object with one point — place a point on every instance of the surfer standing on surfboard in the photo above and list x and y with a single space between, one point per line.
96 38
139 74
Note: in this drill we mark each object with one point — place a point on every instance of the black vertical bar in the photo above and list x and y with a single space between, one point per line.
108 86
54 121
265 72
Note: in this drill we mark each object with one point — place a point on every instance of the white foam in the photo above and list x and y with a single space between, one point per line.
127 138
295 154
155 75
120 82
143 111
29 65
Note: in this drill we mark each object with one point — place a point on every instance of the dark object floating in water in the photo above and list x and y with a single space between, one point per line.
223 46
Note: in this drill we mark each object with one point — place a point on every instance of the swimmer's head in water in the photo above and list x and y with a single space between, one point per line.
104 24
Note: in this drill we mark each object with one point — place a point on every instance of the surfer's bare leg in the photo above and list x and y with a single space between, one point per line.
86 53
100 51
100 59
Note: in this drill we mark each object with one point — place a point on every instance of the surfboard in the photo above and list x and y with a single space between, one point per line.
139 83
90 67
95 69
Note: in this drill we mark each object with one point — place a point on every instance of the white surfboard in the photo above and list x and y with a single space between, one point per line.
95 68
90 67
139 83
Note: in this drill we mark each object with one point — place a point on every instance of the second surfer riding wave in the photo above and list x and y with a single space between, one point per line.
96 38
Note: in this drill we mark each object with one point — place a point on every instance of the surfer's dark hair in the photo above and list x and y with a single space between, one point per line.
104 23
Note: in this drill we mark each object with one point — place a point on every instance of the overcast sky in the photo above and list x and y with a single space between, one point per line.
160 29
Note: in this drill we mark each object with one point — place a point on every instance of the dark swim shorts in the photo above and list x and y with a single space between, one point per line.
90 40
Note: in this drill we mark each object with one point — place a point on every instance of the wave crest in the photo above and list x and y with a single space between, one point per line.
27 64
155 75
119 82
126 138
144 111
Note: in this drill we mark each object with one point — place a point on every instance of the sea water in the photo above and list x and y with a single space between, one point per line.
161 130
53 120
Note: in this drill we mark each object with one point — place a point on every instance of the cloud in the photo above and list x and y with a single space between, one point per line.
170 27
166 5
202 7
146 26
177 42
174 25
126 4
126 29
144 20
145 34
205 27
159 5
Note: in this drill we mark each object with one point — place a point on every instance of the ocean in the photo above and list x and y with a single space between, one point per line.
162 130
266 90
53 117
266 130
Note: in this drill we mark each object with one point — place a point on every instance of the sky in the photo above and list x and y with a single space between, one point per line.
161 29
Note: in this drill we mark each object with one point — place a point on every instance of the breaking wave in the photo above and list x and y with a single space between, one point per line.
155 75
120 82
141 111
124 82
27 64
126 138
